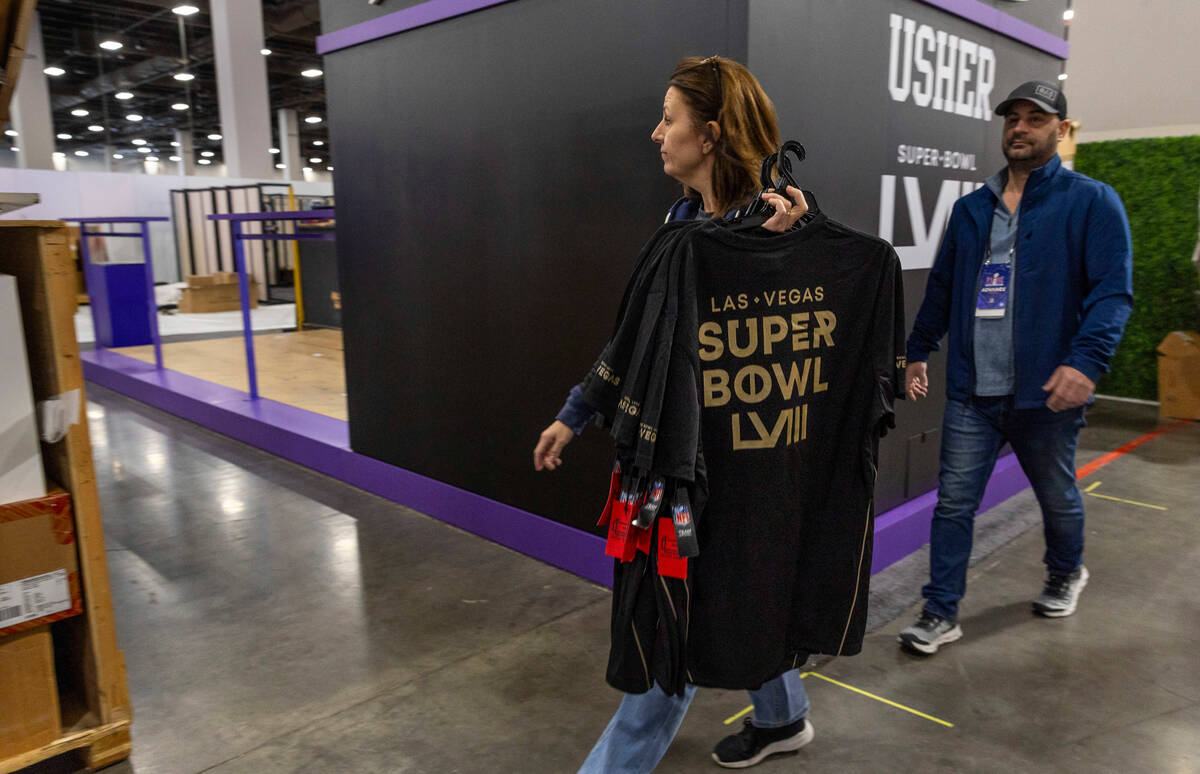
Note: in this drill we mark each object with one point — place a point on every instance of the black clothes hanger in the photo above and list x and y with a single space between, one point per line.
758 211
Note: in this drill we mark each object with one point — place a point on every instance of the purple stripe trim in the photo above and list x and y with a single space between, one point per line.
282 215
438 10
905 529
323 444
112 220
400 21
1010 26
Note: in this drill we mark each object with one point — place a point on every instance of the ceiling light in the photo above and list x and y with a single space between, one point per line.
315 160
281 166
63 136
214 136
184 77
118 156
112 45
312 72
1062 76
53 70
272 150
123 95
174 144
13 133
329 168
308 169
1068 14
265 51
95 128
152 158
318 143
59 155
180 106
313 120
133 117
144 149
138 141
81 153
15 149
204 161
174 158
185 10
207 154
79 112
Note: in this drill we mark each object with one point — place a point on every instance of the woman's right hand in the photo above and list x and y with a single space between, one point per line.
547 453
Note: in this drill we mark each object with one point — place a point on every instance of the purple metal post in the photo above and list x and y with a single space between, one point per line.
236 220
239 259
152 309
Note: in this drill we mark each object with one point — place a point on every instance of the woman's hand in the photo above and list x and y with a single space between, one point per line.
547 455
787 211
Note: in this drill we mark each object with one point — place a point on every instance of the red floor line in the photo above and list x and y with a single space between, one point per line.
1100 462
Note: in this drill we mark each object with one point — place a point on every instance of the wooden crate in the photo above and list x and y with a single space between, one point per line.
93 690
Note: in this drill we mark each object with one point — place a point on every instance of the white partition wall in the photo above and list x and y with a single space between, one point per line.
115 194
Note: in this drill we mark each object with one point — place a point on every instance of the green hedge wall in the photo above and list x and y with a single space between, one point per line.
1158 179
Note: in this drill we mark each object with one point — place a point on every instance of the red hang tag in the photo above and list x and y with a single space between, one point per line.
632 504
614 488
618 528
670 563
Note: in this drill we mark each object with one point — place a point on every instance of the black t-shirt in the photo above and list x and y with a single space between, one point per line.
784 357
801 341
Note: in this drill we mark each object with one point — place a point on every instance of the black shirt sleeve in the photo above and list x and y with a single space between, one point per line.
888 343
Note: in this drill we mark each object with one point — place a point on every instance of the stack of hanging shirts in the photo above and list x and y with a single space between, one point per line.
746 385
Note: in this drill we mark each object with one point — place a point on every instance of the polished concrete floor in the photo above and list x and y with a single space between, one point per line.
274 620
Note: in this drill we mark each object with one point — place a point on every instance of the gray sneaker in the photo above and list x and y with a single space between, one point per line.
929 633
1061 594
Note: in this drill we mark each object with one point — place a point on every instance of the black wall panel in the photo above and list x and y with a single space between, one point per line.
495 180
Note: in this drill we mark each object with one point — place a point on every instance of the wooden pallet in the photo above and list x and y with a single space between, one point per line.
94 692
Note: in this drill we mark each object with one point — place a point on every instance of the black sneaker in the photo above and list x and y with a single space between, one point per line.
745 749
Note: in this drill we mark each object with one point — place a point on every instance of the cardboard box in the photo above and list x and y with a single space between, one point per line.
217 292
29 711
1179 375
21 472
39 571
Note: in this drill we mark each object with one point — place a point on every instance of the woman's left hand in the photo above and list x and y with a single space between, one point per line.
787 211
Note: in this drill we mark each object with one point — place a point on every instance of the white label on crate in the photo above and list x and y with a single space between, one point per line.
31 598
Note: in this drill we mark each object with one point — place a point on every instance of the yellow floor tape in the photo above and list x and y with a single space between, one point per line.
1089 492
859 691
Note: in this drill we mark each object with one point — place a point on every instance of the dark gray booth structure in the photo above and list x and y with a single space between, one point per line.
496 178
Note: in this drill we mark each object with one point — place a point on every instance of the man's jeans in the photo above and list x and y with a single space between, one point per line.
972 435
640 732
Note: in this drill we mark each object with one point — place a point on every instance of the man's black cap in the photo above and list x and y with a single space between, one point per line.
1047 96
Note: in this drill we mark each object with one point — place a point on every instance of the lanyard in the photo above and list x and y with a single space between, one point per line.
987 256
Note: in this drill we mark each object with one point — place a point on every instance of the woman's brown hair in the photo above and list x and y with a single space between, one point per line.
722 90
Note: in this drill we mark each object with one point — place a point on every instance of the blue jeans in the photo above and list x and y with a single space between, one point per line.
643 726
972 435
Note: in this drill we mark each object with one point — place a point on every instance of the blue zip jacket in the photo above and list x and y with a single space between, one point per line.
1073 291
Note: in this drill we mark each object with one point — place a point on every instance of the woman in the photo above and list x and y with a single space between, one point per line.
717 126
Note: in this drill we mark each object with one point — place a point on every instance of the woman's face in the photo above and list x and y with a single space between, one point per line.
681 145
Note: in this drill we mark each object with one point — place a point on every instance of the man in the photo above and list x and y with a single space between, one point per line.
1025 348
